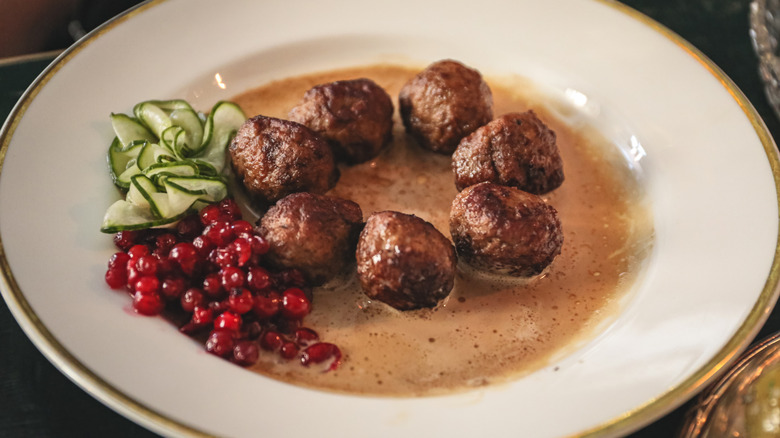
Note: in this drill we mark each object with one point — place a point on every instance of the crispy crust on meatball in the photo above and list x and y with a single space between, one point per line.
405 261
444 103
355 117
274 158
504 230
516 149
315 234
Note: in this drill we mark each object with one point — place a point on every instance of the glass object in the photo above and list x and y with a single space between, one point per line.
764 32
745 402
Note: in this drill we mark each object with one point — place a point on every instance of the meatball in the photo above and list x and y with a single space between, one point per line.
315 234
355 117
516 149
404 261
504 230
444 103
275 157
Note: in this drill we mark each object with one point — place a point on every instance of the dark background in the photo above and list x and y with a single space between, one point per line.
36 400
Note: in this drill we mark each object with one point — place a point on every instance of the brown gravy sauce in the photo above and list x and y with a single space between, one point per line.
489 330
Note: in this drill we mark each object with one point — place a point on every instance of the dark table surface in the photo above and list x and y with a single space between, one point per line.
36 400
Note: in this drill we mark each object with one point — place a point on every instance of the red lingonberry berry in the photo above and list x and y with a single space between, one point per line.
149 304
240 301
228 321
220 343
295 304
246 353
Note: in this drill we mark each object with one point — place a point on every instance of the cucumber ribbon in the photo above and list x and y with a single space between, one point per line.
170 160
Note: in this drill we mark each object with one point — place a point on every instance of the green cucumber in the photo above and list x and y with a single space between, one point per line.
120 158
223 122
152 153
122 216
193 128
170 159
153 117
128 130
208 189
173 168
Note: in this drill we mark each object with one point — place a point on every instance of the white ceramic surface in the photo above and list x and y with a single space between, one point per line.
708 166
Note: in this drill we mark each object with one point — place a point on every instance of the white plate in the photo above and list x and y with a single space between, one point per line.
710 173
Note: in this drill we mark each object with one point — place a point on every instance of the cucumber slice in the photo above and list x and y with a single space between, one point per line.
123 215
121 158
123 180
169 158
128 129
153 117
178 200
152 153
141 193
208 189
193 128
204 168
222 123
173 168
170 105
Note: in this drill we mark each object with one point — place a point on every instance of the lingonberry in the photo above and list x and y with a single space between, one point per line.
210 214
149 304
212 285
232 277
305 336
220 343
230 208
260 246
201 316
132 275
118 260
223 257
288 350
186 256
258 279
138 250
147 284
172 287
192 298
322 352
240 301
246 352
241 249
267 306
219 233
295 304
126 239
146 265
228 321
116 277
271 341
203 246
164 242
240 227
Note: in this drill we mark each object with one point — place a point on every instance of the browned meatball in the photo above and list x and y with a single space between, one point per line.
516 149
444 103
275 157
355 117
504 230
404 261
315 234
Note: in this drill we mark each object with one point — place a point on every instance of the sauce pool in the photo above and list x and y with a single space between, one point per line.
490 329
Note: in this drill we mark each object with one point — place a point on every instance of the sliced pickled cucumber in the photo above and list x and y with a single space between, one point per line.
169 158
